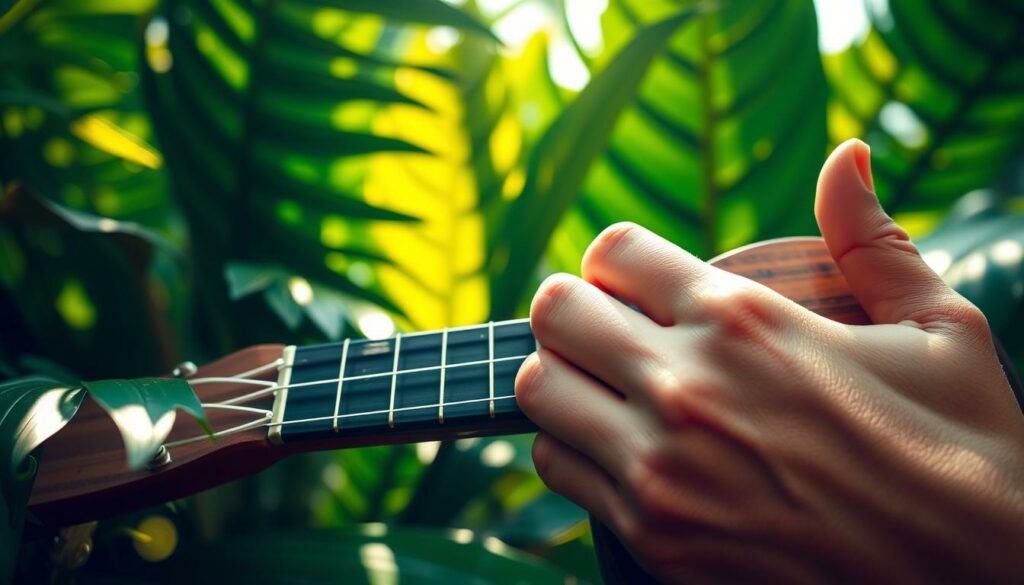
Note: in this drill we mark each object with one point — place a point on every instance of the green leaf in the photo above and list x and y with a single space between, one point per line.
268 139
13 510
368 485
979 251
425 11
559 163
367 554
724 140
31 410
18 203
245 278
92 309
935 88
144 410
326 307
68 72
543 521
280 299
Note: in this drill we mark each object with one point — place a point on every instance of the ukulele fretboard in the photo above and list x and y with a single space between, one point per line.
454 377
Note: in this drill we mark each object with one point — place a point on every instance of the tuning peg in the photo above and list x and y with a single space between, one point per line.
160 459
184 370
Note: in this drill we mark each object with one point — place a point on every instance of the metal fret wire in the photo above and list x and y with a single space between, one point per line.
490 359
444 363
341 380
394 381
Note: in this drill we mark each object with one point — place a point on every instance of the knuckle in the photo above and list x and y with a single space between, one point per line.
699 396
551 297
647 490
668 395
742 311
970 317
610 241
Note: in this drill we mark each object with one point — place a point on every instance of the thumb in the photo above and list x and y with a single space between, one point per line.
882 267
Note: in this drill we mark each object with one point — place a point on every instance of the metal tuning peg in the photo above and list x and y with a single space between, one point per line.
184 370
160 459
163 455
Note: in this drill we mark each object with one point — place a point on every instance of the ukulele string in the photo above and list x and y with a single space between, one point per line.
270 388
385 411
265 417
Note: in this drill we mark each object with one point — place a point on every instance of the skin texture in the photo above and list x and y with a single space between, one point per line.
726 433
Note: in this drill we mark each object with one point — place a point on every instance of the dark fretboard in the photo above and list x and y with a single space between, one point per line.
452 378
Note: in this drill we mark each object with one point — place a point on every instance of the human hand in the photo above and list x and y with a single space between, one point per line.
727 432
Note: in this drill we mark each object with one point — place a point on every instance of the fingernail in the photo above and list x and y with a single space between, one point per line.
862 155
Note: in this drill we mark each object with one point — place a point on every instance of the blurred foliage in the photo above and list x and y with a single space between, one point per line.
183 178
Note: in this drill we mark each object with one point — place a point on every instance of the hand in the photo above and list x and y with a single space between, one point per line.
727 432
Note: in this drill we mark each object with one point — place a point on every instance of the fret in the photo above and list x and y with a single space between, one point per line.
341 381
467 373
367 379
394 382
419 377
490 365
314 376
512 343
440 393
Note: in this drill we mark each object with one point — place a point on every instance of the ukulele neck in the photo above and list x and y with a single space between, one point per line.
420 386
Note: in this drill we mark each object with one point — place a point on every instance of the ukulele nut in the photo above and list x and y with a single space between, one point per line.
184 370
162 458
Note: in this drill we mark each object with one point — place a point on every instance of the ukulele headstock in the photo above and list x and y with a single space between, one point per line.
83 472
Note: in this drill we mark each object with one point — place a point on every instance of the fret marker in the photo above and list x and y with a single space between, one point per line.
394 382
341 380
490 363
444 363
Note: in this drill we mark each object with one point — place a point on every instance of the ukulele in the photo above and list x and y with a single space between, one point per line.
269 401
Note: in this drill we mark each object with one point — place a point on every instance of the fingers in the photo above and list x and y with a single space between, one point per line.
577 410
596 332
883 268
643 269
572 474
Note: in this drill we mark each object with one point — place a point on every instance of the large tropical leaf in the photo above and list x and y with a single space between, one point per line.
563 158
937 89
723 143
95 307
74 127
266 114
438 275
